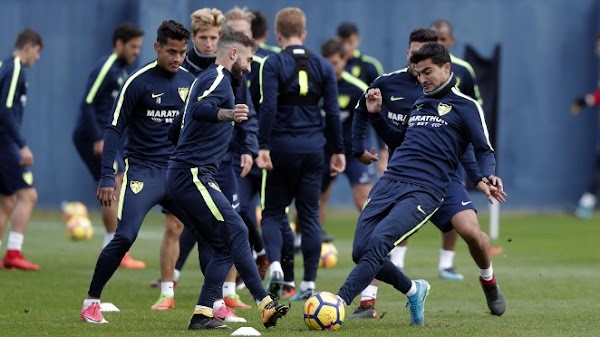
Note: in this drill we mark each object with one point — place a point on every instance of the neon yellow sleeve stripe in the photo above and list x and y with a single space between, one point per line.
117 112
260 79
263 187
10 100
215 83
463 63
100 78
187 103
122 192
354 81
374 62
206 196
258 59
271 48
481 115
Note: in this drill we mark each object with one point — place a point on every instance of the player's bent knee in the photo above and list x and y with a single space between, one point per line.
28 195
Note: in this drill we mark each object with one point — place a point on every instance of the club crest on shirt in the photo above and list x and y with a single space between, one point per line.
28 178
443 108
136 186
183 93
343 101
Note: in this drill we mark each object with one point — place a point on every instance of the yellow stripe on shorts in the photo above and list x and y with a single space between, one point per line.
206 196
416 227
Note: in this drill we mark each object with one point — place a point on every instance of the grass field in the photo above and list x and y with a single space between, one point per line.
549 273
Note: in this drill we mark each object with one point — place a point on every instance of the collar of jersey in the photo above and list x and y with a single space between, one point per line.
443 89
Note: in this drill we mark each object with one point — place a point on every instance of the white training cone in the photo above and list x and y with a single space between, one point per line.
108 307
246 331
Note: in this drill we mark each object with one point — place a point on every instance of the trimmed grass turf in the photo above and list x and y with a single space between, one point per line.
548 272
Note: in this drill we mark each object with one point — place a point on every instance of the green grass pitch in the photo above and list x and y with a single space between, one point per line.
549 272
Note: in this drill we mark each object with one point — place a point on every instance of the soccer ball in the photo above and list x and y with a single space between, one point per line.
73 209
324 311
329 255
79 228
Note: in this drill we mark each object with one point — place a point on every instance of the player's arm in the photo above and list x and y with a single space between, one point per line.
250 128
209 106
88 110
8 98
392 136
269 88
117 123
332 120
477 132
470 164
360 124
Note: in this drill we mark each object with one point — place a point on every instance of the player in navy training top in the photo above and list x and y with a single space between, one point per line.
206 128
432 142
292 140
17 193
457 210
104 83
146 105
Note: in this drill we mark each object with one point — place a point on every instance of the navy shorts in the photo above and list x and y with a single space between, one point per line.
356 172
457 200
13 176
85 149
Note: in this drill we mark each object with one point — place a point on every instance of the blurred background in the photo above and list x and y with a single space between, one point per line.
543 51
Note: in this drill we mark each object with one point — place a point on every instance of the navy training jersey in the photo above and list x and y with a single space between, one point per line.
101 90
203 139
195 62
291 127
13 97
399 90
350 90
259 57
365 67
146 106
440 126
465 78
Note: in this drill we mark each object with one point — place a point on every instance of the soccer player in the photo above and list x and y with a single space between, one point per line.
146 105
292 140
17 193
588 200
207 125
104 82
430 143
399 93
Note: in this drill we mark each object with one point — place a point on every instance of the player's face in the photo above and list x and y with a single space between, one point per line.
31 54
351 44
338 62
445 37
171 54
412 48
241 26
430 75
242 61
206 40
129 51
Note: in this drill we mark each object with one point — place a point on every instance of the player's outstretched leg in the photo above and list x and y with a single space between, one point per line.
493 295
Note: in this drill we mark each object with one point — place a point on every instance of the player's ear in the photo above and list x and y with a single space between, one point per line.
233 54
156 46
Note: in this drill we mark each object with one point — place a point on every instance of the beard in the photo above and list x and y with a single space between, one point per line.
237 70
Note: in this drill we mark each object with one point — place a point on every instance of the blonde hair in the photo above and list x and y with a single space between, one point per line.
237 13
290 21
206 18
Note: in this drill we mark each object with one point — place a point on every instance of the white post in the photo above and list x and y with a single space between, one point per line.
494 220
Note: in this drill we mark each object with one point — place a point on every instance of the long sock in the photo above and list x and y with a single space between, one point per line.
305 285
89 301
166 289
202 310
487 274
412 290
107 238
369 293
446 259
15 241
397 256
275 266
176 274
218 303
228 288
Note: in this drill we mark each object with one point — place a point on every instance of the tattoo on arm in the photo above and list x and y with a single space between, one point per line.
225 115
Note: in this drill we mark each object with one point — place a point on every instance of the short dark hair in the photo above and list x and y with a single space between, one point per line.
228 37
170 29
259 24
422 35
346 29
439 23
333 46
126 32
28 36
434 51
